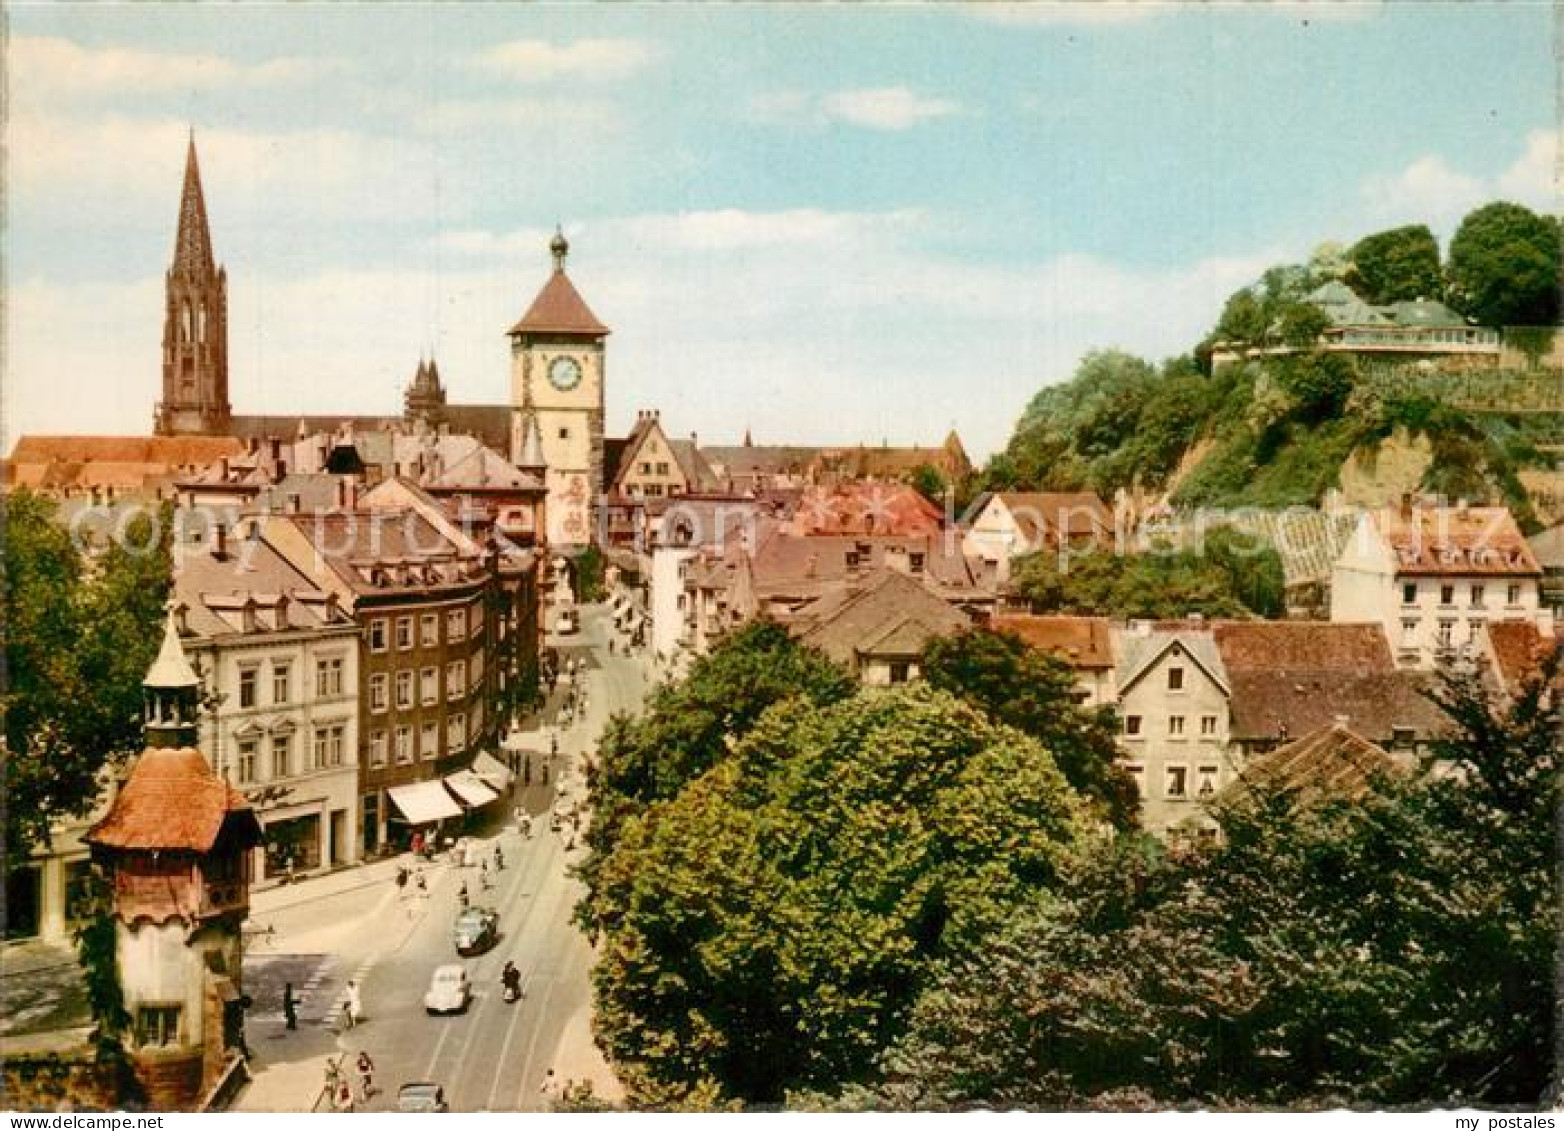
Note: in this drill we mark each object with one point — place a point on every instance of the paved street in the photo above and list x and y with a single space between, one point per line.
358 925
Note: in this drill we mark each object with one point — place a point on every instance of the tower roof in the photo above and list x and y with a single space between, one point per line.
172 801
171 670
559 307
193 244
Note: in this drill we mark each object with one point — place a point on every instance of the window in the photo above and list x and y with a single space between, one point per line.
321 745
328 677
377 748
404 633
1408 633
1176 725
1206 781
1446 633
455 679
456 732
1132 725
79 897
377 635
338 734
646 467
404 690
564 433
404 745
429 739
430 681
246 765
157 1025
1409 593
1137 773
662 468
899 671
429 630
455 624
282 755
1207 725
247 687
282 678
1477 596
1512 595
1177 781
1401 737
1447 594
377 692
915 562
1175 679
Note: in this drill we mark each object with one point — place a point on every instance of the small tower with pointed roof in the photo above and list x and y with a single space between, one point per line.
176 846
195 323
425 396
558 356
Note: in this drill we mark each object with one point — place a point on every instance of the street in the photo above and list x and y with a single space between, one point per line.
494 1056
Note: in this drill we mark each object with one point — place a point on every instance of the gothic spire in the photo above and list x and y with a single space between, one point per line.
193 245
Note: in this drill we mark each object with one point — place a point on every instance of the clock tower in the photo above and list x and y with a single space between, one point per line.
557 355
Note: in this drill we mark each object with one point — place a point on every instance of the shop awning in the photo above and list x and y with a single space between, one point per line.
495 774
470 788
423 802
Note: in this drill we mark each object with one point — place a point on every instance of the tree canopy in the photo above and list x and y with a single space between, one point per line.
1396 265
1504 267
80 637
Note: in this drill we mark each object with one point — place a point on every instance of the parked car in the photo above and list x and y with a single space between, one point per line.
421 1098
476 930
449 990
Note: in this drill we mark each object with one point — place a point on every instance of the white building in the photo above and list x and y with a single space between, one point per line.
1007 524
1435 577
278 661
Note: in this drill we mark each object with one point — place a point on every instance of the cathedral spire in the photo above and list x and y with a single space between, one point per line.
193 244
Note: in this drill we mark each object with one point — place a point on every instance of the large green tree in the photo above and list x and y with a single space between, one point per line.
1034 692
769 928
1393 948
79 637
1396 265
1504 267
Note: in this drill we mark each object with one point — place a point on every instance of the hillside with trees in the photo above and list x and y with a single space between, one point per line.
1274 425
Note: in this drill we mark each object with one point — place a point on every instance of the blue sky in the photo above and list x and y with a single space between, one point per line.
827 224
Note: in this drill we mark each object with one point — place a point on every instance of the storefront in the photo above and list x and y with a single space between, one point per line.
293 846
419 807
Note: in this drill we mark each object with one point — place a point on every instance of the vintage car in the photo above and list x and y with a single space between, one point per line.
476 930
449 990
421 1098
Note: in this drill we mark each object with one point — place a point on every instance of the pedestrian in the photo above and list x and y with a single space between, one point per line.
366 1071
549 1089
401 878
290 1006
352 1006
419 881
344 1096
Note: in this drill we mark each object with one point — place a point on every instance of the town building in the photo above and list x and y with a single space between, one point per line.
278 660
647 464
175 845
751 467
1084 643
1434 577
1007 524
858 507
878 626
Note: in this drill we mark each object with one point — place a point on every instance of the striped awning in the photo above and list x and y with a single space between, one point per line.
470 788
423 802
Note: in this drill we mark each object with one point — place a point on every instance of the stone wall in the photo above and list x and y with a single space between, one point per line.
69 1081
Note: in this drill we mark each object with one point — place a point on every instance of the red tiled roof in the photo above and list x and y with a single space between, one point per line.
1302 646
891 509
1330 763
559 309
1281 704
1457 540
1083 642
173 801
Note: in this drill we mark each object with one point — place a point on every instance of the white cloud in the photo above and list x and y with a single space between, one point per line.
539 61
1431 191
44 67
886 108
466 116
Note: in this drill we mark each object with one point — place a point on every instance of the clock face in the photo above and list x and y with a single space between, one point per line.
564 373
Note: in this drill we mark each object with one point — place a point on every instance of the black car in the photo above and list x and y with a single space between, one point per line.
476 930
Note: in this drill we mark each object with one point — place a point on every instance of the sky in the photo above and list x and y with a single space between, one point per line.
824 224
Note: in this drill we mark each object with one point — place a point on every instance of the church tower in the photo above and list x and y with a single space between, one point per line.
195 324
557 376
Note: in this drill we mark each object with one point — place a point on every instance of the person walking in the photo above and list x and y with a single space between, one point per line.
344 1096
352 1006
366 1074
290 1006
549 1089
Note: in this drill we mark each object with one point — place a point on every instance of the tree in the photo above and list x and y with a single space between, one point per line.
769 927
1396 265
928 482
1157 583
1384 949
1036 693
589 575
78 644
1504 267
